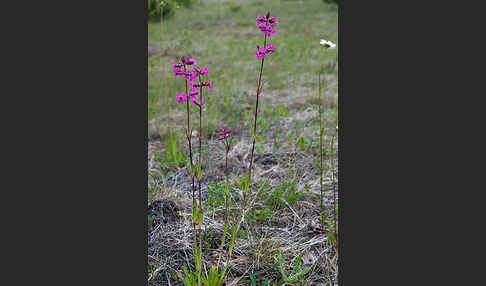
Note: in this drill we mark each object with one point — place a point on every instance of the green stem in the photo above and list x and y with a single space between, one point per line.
226 206
258 91
201 212
320 145
189 135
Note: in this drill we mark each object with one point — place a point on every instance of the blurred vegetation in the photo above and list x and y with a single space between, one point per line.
222 36
331 1
166 7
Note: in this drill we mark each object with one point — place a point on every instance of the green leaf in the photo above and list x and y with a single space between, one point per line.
281 266
233 238
296 267
253 279
225 231
331 237
194 212
198 259
200 217
199 172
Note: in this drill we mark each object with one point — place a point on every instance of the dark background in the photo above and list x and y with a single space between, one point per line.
76 180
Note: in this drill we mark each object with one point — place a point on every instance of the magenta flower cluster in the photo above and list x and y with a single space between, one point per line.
267 25
224 134
181 70
262 52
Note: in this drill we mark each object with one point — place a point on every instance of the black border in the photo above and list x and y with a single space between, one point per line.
81 155
340 145
82 187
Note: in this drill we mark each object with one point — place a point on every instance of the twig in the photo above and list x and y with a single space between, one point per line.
292 210
168 280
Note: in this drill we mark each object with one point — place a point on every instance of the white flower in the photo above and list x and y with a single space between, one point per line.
328 44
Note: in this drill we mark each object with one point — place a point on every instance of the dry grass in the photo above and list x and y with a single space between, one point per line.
288 108
292 230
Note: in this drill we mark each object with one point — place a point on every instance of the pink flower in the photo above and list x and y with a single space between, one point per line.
273 21
267 24
198 71
266 19
203 83
259 19
188 60
181 97
179 70
260 53
270 33
179 73
267 30
194 101
191 76
270 49
224 134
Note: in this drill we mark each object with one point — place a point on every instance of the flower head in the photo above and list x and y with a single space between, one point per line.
179 70
223 134
198 71
267 24
273 21
204 83
181 97
188 60
191 76
266 19
260 53
194 101
327 44
270 49
259 19
267 30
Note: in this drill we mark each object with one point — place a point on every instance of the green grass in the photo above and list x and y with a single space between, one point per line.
224 39
296 275
222 35
216 193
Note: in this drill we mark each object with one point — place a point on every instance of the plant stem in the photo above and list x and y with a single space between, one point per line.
189 135
320 145
227 185
199 179
258 91
226 223
242 214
